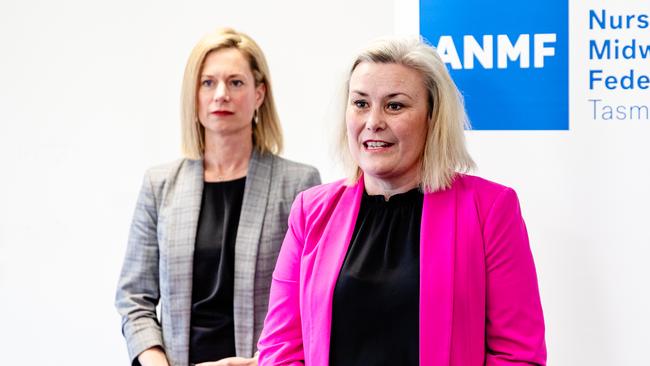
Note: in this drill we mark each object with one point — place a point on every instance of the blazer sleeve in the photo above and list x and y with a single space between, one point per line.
281 341
515 323
138 290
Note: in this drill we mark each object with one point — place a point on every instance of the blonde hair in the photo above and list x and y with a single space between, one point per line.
445 153
267 134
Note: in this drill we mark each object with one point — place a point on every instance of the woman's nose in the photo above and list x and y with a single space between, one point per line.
375 119
221 92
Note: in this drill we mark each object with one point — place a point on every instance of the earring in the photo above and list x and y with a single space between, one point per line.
255 119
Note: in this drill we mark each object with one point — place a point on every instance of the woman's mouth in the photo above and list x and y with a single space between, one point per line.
376 145
222 113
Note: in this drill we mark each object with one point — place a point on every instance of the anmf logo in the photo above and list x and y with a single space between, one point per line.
508 58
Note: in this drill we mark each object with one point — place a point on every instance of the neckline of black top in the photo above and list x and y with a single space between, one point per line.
224 182
399 199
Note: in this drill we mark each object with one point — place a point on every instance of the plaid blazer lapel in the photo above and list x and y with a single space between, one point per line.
182 225
253 210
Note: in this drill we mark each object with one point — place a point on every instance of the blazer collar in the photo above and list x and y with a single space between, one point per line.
181 224
437 244
256 195
333 246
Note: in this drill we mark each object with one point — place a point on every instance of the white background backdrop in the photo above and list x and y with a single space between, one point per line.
89 98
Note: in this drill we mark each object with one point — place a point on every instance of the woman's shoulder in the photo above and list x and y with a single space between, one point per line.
478 184
286 166
484 193
166 172
315 206
289 177
323 196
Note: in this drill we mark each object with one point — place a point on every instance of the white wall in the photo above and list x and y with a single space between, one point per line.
89 98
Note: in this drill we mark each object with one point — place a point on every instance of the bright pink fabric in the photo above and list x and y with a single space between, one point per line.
479 301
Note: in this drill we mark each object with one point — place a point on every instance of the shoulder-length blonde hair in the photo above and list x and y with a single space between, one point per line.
267 134
445 153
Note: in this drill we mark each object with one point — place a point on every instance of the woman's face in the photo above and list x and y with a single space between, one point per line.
386 119
227 95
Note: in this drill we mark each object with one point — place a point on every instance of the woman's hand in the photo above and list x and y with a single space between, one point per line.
233 361
153 356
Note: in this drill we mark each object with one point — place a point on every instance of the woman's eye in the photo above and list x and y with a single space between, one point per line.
207 83
237 82
360 103
394 106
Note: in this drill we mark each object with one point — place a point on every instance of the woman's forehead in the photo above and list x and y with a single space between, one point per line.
226 61
385 78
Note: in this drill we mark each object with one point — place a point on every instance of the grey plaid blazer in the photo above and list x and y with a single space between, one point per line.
159 256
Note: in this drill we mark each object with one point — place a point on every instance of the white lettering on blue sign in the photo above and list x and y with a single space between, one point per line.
483 52
508 51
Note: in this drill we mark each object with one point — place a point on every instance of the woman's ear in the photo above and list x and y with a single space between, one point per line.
260 93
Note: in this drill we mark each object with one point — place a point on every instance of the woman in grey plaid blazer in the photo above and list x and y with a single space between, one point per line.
230 130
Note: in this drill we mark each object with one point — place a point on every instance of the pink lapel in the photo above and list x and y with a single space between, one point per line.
437 236
333 246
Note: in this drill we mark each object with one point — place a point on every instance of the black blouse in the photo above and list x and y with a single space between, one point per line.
212 331
375 306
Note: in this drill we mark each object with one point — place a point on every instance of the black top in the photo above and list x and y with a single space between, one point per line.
212 331
375 306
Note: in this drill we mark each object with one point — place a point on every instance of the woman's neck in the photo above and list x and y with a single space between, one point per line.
226 158
390 187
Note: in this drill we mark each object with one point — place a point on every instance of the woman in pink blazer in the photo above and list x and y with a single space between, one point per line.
409 261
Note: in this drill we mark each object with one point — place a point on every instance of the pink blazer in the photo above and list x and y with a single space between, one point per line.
479 301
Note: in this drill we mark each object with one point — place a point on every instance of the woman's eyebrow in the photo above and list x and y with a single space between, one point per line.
393 95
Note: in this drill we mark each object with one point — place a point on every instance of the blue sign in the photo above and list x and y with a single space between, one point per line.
510 59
